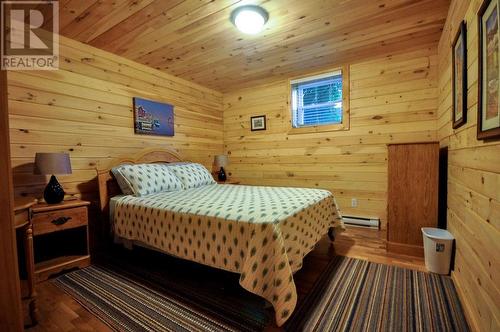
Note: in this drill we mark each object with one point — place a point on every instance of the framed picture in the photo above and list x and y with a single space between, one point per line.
459 77
488 108
258 122
153 118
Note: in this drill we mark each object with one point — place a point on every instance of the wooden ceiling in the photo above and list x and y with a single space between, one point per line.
195 40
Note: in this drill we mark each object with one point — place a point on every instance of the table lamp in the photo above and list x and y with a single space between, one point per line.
220 162
50 164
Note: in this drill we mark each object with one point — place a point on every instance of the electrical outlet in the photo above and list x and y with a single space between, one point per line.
354 202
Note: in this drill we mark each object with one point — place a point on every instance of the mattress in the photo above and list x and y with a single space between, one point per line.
262 233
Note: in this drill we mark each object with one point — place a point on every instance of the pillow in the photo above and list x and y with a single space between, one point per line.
122 181
146 179
192 175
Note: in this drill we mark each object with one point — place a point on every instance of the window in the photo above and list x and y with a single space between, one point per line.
318 100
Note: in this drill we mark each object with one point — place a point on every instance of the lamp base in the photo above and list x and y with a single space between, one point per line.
53 193
222 175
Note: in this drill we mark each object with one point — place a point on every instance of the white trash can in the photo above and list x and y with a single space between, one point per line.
437 249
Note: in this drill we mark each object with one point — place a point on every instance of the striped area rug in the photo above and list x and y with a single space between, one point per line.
127 303
356 295
350 295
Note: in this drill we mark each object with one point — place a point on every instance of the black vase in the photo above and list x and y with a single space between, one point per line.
222 175
54 192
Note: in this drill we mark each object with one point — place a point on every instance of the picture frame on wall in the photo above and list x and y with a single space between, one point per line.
459 76
488 116
258 122
153 117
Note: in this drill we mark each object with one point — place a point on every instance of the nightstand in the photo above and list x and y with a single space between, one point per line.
61 237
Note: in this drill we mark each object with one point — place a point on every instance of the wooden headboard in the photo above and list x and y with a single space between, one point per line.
108 187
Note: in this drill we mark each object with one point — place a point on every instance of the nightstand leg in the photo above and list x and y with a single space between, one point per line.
30 271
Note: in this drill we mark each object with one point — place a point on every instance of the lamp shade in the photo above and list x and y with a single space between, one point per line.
221 161
52 163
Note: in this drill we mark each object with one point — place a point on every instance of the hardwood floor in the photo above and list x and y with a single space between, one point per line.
59 312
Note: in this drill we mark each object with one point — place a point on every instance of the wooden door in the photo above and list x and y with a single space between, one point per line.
10 294
412 195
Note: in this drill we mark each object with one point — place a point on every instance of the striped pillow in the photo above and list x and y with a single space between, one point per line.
146 179
192 175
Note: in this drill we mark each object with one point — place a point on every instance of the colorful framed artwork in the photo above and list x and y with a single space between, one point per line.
258 122
153 118
488 116
459 77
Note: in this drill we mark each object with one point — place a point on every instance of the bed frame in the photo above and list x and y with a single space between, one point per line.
108 187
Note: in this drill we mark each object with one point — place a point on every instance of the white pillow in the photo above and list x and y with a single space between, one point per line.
192 175
146 179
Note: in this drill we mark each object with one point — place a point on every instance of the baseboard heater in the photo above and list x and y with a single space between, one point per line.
362 222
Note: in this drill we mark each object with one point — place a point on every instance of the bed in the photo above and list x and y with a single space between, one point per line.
262 233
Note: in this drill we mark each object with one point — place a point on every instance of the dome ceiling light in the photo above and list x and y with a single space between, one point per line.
249 19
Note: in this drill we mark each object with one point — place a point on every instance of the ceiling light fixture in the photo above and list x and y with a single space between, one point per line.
249 19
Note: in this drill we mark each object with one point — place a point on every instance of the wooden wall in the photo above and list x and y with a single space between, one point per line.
473 183
85 108
393 99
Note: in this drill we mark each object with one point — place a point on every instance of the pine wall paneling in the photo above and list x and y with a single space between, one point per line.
197 41
85 109
393 100
473 182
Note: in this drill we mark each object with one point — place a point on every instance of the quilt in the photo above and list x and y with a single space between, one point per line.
262 233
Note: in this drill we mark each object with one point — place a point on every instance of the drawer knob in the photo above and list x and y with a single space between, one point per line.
61 221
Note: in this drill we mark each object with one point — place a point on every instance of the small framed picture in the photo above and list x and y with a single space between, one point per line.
258 122
459 77
488 108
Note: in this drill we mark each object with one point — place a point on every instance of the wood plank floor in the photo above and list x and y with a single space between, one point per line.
59 312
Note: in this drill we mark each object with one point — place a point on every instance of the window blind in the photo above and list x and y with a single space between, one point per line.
317 101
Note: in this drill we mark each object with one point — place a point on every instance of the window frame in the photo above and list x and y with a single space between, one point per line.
345 103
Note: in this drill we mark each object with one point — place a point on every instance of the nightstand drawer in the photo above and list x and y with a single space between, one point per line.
48 222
